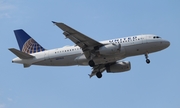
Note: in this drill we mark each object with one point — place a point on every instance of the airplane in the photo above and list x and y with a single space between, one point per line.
101 56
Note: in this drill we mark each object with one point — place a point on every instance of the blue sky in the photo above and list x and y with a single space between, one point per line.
156 85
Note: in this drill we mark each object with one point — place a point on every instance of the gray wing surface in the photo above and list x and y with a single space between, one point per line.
86 43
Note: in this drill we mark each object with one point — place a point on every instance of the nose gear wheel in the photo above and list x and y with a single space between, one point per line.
147 60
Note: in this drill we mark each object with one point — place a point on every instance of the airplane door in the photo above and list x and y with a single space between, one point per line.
46 55
47 59
144 39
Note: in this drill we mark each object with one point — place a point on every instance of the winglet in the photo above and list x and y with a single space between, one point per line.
20 54
54 22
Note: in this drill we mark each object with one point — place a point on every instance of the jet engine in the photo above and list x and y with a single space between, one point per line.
119 67
110 49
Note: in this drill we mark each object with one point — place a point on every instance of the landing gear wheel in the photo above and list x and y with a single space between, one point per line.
147 61
91 63
99 74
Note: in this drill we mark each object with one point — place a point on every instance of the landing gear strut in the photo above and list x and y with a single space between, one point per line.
99 74
91 63
147 60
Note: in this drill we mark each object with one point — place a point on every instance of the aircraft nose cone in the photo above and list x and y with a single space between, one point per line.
166 43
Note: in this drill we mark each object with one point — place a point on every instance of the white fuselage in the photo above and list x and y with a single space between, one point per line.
73 55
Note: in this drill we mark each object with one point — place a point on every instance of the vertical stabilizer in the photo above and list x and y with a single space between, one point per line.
26 43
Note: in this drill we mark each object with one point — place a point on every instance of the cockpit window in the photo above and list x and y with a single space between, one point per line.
156 37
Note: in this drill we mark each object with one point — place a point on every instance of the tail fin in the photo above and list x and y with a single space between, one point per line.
26 43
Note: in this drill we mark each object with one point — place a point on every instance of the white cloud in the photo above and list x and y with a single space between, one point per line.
4 15
2 106
10 99
5 9
4 6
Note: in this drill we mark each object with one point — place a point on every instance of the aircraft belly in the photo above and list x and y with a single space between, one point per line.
63 61
59 61
43 63
108 59
134 50
154 46
143 48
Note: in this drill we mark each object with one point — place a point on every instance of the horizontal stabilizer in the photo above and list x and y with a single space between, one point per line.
20 54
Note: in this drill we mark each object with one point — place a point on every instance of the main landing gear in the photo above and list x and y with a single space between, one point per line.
91 63
99 74
147 60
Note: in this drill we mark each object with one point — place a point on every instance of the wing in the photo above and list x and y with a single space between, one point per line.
88 45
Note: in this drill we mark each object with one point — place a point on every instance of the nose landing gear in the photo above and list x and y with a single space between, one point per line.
147 60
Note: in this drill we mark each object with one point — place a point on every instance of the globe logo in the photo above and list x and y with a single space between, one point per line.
31 46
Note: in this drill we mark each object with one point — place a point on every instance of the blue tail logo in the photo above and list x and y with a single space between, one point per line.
26 43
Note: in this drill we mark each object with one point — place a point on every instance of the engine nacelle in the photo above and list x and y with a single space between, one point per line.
119 67
110 49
